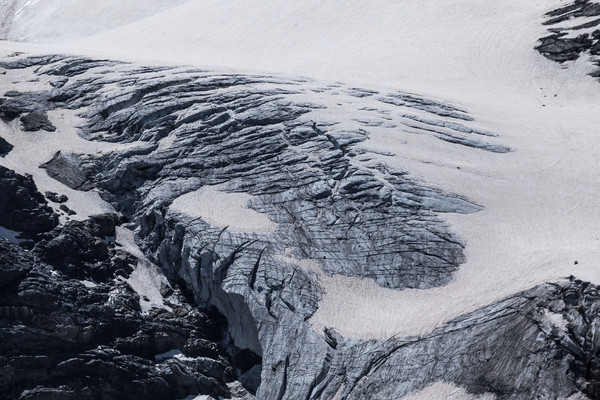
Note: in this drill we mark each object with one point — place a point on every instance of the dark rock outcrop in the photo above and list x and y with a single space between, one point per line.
22 207
35 121
56 198
85 249
62 339
68 169
71 325
571 42
5 147
29 108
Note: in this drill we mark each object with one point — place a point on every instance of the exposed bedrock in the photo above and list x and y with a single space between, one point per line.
61 337
280 144
569 40
22 207
71 326
29 108
5 147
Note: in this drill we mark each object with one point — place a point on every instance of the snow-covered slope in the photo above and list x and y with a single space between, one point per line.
55 21
539 214
456 48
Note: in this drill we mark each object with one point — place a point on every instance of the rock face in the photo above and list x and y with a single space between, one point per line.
71 325
327 199
62 339
5 147
22 207
568 43
28 109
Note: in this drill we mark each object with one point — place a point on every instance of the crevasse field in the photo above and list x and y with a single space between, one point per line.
540 215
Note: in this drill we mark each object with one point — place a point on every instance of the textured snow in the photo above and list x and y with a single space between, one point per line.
224 210
557 320
446 391
46 21
451 48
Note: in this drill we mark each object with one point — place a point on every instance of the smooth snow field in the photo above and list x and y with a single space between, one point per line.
51 21
224 210
542 212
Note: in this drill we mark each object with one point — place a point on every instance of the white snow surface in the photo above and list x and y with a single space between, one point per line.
175 353
541 209
51 21
446 391
226 210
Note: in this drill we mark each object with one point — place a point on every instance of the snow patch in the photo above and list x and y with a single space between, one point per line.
446 391
146 279
167 355
223 209
174 353
10 235
198 397
557 320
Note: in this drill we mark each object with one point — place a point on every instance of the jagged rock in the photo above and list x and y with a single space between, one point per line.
68 169
29 107
35 121
67 210
12 93
5 147
59 337
84 249
22 207
566 43
9 110
56 198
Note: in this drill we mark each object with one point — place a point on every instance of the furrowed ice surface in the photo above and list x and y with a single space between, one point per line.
335 198
443 391
263 137
359 181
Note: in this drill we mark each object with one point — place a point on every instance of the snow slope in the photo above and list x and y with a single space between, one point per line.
54 21
457 48
541 211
